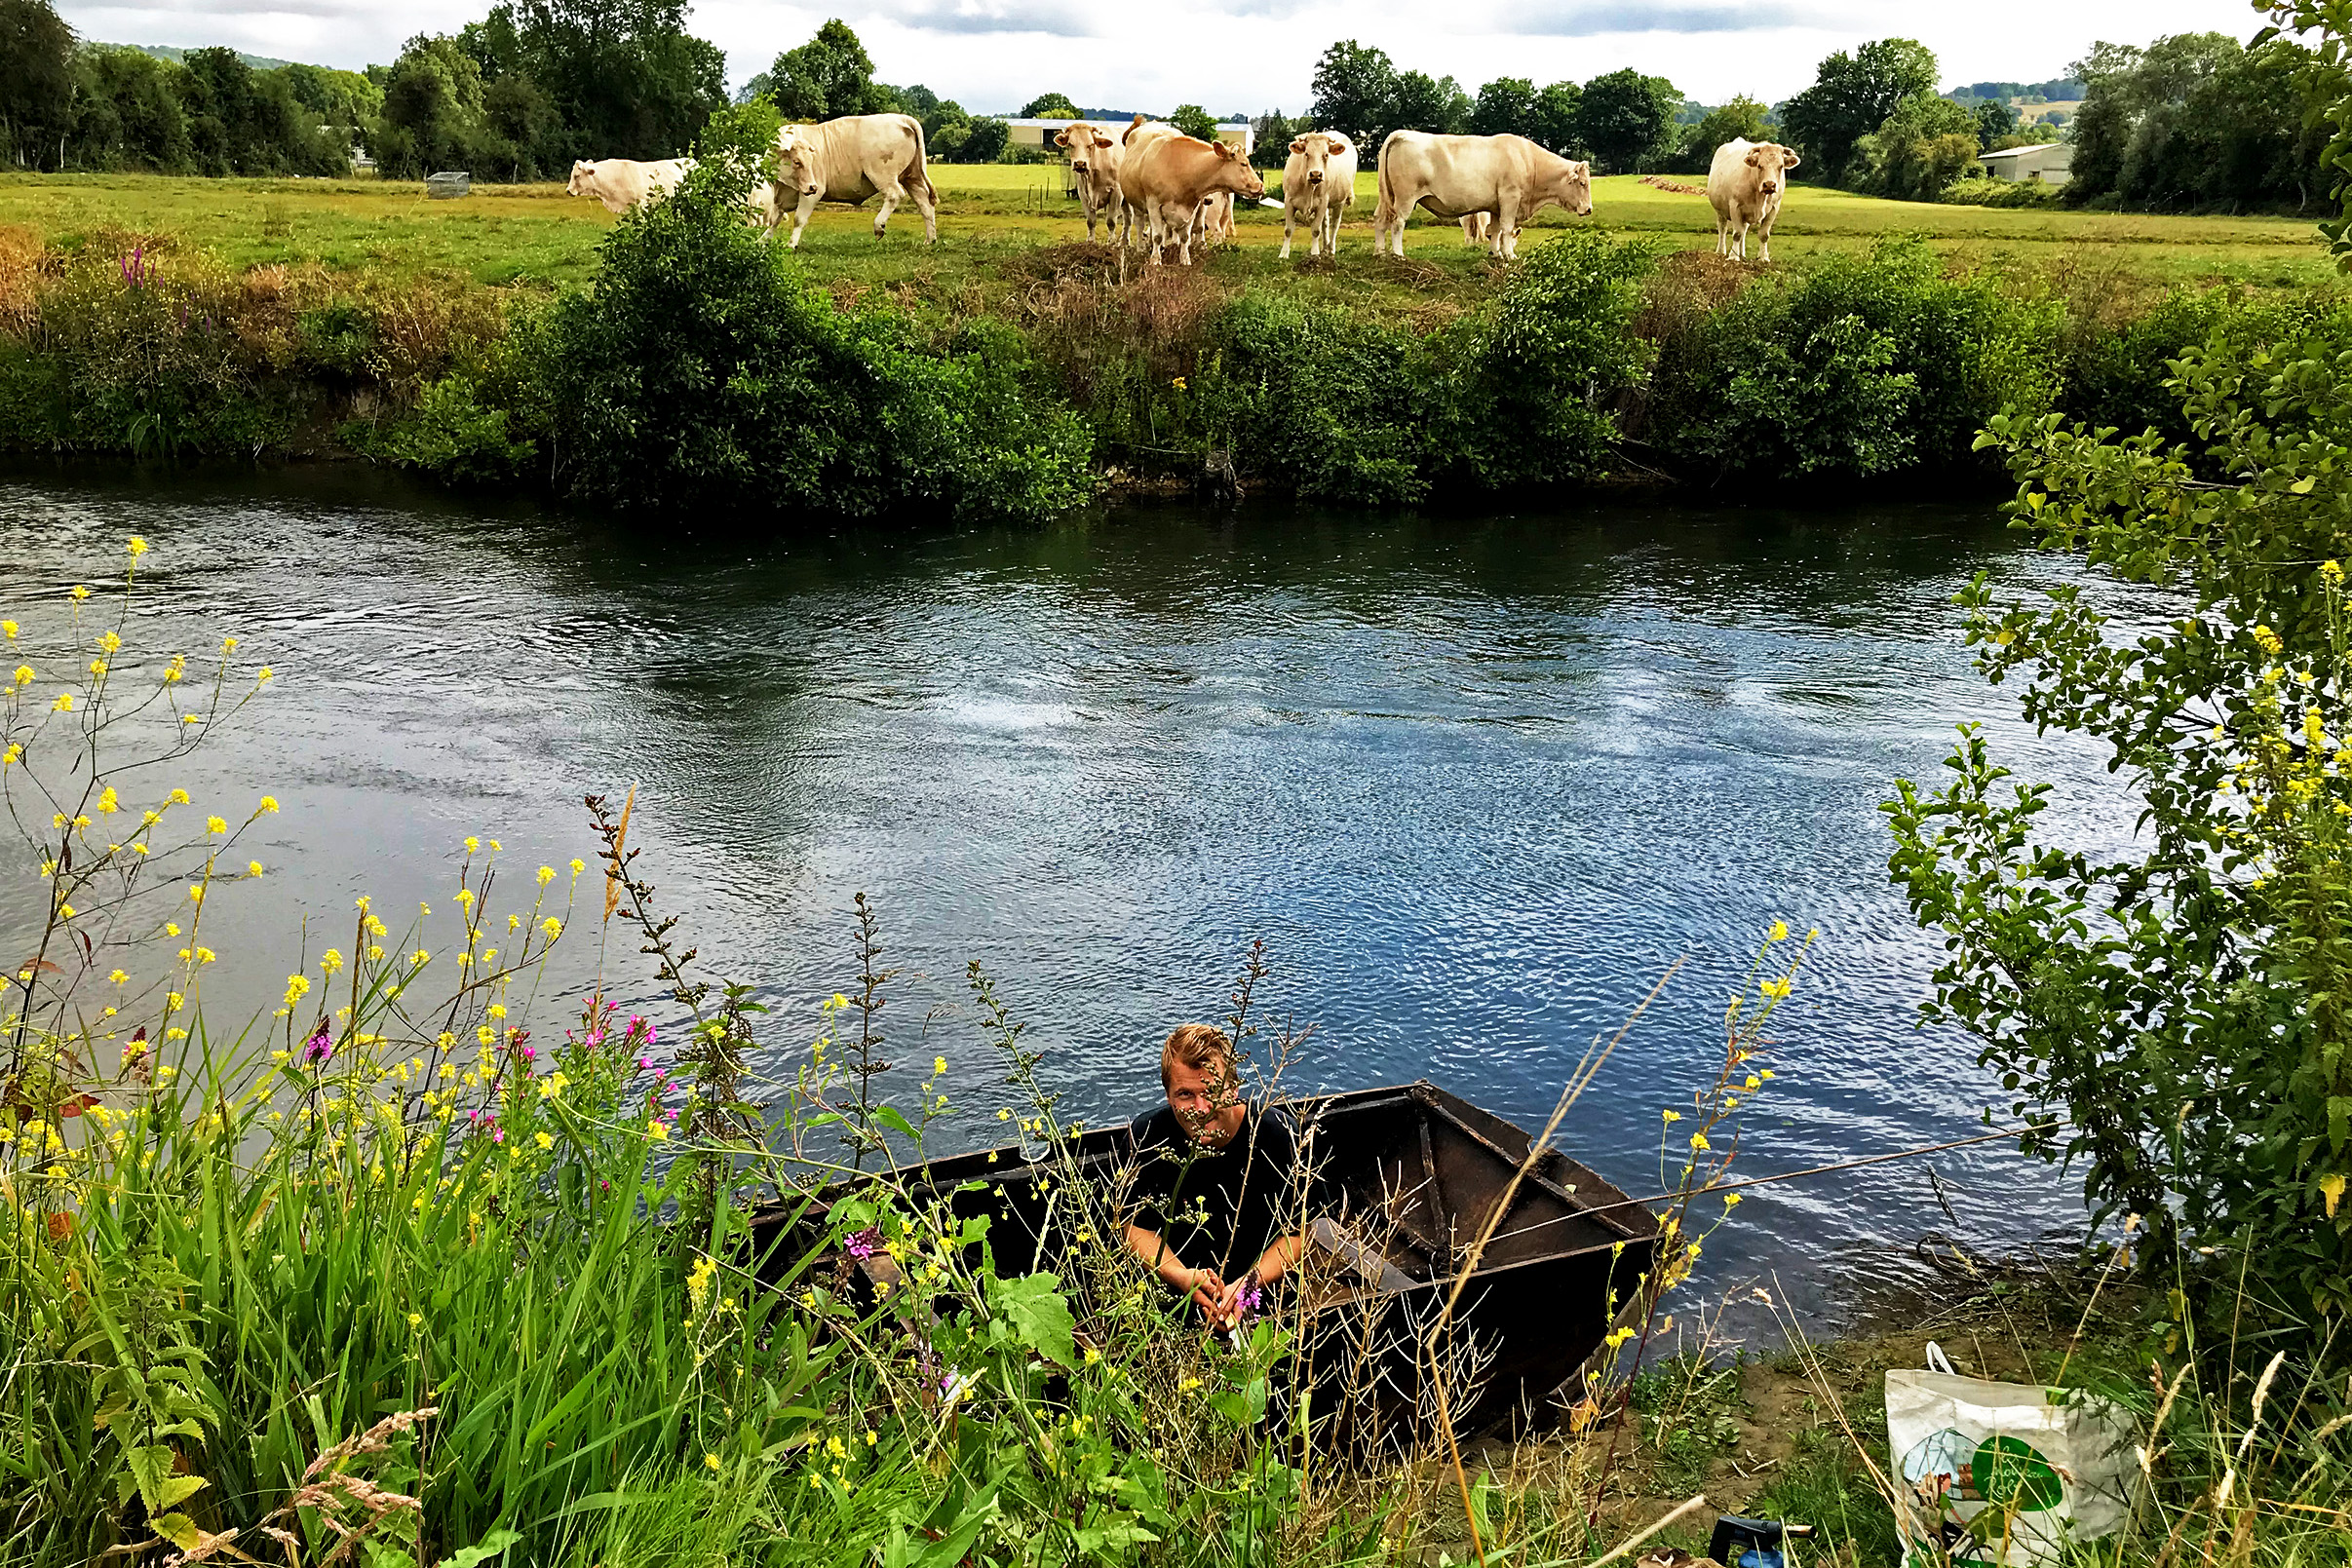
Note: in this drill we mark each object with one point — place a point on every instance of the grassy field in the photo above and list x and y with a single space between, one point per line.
535 233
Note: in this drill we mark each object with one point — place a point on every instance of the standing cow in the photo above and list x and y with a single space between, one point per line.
1094 165
852 158
1137 139
1509 177
1169 179
1318 186
1744 183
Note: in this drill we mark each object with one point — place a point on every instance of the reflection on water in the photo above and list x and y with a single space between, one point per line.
1477 782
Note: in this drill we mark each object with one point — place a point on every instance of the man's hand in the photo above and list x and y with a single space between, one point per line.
1228 1312
1209 1292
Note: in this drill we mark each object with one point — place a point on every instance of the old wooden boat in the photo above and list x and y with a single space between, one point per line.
1408 1177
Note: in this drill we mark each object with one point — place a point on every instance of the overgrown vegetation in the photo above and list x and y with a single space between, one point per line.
423 1266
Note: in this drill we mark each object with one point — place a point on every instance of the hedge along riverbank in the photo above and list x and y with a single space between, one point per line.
704 370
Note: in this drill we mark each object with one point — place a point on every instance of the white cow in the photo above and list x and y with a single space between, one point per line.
1095 156
852 158
624 183
1744 183
620 183
1507 177
1318 186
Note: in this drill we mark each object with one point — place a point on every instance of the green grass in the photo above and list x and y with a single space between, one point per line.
537 234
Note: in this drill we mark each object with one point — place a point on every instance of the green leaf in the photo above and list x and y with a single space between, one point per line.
482 1550
152 1468
1039 1315
180 1531
179 1489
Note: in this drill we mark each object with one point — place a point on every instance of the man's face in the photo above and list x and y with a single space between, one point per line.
1207 1102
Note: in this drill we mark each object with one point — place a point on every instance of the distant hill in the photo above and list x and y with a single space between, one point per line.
260 62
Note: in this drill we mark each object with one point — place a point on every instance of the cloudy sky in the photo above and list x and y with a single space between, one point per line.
1254 55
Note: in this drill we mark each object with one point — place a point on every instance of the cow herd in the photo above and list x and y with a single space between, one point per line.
1156 187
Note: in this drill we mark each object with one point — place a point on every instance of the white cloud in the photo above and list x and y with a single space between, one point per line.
1255 54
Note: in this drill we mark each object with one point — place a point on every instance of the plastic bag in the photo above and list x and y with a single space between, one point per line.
2002 1472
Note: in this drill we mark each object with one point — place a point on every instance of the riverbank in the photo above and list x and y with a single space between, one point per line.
1038 374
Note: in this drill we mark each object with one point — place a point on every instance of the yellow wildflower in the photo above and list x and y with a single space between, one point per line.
119 978
543 1140
64 704
297 987
553 927
269 803
1671 1116
473 844
216 824
138 546
177 797
24 674
938 1067
79 592
263 675
655 1129
546 874
253 867
578 865
1779 931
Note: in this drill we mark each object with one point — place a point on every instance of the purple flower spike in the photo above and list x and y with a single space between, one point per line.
318 1049
865 1243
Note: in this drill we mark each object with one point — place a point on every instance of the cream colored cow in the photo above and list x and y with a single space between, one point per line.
1506 176
1095 156
1318 187
1744 184
1173 177
852 158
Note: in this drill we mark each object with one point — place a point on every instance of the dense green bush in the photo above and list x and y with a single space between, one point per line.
706 370
2119 365
1859 367
1336 406
1533 377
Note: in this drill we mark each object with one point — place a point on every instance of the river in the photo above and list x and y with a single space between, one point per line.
1476 781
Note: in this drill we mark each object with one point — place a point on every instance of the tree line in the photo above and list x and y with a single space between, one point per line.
64 104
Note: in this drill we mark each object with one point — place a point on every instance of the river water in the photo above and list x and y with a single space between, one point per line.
1476 781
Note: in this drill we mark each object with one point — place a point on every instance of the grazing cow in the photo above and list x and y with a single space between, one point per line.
1095 163
1318 185
1744 183
620 183
852 158
1170 179
1507 177
623 184
1473 227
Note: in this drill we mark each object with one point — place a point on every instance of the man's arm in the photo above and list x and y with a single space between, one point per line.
1203 1285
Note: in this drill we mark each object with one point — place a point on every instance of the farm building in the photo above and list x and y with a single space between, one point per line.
1039 132
2044 161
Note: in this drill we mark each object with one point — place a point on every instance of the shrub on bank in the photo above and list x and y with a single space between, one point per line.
1985 191
706 369
1859 367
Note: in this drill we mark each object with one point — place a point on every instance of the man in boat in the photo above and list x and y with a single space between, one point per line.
1217 1206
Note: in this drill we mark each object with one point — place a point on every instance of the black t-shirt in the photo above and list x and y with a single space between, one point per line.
1218 1208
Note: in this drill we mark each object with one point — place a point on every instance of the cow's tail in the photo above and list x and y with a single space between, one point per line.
922 160
1384 207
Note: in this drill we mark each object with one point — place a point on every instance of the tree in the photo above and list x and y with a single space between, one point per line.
1505 107
986 141
1424 103
621 78
1555 116
130 115
1270 136
1049 106
2175 1007
2195 120
1623 117
1851 96
36 80
1356 93
1743 117
432 118
1995 120
1924 145
828 77
1193 120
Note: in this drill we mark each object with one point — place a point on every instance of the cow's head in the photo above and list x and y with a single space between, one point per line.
1087 146
1132 126
1312 154
583 176
797 162
1234 173
1572 187
1773 162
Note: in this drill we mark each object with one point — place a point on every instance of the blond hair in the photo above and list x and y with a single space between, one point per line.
1198 1046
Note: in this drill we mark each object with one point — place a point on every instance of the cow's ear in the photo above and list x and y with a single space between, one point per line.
1062 138
1790 158
1224 151
1755 158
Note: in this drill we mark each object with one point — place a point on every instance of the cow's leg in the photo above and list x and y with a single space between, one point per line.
1503 242
1763 236
1743 239
926 203
801 217
893 193
1289 225
1722 235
